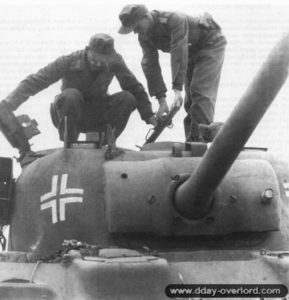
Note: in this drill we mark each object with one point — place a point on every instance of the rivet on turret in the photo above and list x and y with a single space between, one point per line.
177 221
210 220
263 251
233 198
152 199
267 196
176 177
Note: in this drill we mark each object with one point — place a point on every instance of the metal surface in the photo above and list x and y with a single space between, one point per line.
89 228
194 198
143 277
6 185
132 207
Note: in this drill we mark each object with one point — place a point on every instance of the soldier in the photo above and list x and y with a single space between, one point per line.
86 75
197 48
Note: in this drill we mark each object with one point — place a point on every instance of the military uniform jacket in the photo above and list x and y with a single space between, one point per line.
175 33
93 84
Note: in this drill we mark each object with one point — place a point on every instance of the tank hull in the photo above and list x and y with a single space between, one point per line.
137 277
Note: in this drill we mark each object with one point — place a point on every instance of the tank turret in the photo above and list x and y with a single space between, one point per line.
88 224
194 197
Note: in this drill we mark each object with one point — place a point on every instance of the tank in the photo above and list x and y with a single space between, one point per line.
151 224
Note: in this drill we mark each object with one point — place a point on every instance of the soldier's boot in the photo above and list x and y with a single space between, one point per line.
112 150
207 133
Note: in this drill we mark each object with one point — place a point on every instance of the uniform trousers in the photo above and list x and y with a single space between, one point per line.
90 115
202 82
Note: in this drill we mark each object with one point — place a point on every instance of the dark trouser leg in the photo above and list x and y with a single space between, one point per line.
119 108
201 87
69 104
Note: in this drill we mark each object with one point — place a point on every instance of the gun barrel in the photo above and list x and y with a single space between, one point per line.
194 197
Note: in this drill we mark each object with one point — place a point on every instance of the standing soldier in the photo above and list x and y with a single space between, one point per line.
197 48
86 75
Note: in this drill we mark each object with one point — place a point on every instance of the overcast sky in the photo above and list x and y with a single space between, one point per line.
34 33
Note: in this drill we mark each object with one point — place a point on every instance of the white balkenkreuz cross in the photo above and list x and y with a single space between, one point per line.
60 195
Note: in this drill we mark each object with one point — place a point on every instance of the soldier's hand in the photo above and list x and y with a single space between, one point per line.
178 100
163 108
153 120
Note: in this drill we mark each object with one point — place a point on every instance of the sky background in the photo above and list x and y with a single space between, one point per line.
34 33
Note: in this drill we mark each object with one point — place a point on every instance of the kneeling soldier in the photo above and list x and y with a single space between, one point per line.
86 75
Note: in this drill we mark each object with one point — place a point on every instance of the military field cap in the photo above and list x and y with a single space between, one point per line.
101 44
130 15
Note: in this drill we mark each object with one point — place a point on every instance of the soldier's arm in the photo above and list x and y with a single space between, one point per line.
152 70
178 27
129 83
37 82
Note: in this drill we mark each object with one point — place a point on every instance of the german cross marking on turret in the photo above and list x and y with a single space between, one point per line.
59 196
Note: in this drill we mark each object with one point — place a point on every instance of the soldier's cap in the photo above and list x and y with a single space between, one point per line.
130 15
102 45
